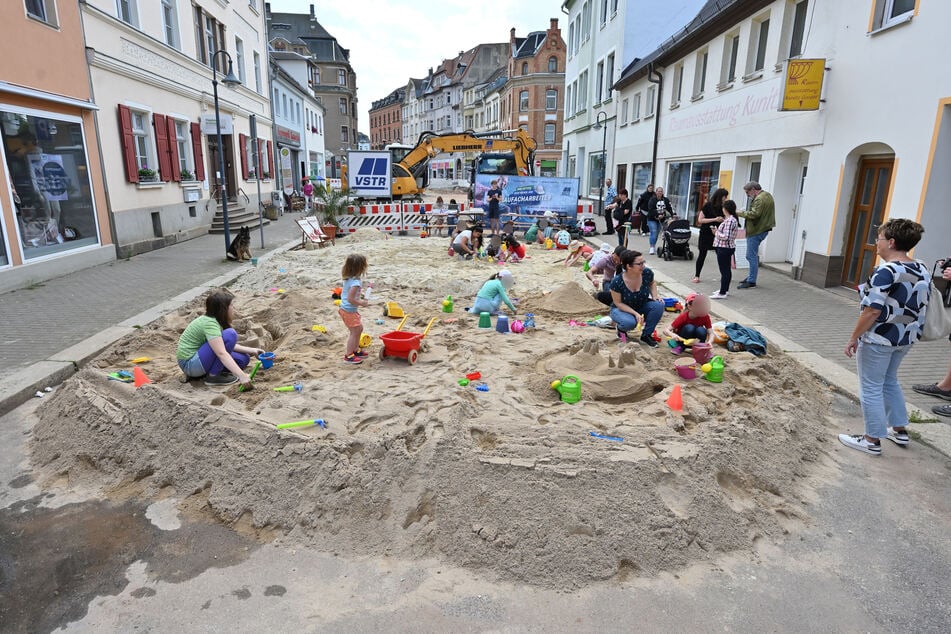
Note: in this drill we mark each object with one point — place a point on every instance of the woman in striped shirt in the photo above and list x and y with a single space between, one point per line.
724 241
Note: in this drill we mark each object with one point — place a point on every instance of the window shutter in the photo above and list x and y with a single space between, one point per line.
161 143
173 156
261 166
128 145
270 159
243 148
197 152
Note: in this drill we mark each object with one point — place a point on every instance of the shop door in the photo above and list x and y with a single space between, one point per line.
213 165
791 254
868 212
621 177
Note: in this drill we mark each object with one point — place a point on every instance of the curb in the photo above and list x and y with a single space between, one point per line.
22 386
845 382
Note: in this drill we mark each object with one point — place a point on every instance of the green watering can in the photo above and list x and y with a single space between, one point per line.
569 388
715 375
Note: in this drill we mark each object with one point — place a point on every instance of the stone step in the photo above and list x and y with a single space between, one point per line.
237 218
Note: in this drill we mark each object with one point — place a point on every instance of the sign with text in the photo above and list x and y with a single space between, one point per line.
210 128
286 136
368 174
530 195
802 85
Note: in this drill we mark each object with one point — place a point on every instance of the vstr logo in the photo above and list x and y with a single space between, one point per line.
372 174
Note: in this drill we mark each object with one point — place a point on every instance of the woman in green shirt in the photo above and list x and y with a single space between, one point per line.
209 346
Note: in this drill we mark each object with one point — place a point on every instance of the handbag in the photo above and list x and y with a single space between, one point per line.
937 315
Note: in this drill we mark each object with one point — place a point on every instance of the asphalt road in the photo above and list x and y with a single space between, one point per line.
873 557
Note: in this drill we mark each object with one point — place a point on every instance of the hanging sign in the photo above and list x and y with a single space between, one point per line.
802 85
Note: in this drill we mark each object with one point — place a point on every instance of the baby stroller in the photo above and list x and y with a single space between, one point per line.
676 240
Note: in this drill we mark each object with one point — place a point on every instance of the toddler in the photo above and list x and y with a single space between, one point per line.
354 268
693 322
493 293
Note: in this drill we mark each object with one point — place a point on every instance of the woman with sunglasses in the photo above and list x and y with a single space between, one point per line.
634 294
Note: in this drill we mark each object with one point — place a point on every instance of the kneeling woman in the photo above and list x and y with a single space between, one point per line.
493 293
634 294
209 346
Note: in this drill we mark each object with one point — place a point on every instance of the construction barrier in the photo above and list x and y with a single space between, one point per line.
388 217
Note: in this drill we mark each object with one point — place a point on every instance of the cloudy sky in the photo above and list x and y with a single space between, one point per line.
393 40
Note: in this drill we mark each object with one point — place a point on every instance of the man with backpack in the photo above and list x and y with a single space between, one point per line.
640 209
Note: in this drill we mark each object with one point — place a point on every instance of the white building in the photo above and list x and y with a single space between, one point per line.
871 151
151 71
298 120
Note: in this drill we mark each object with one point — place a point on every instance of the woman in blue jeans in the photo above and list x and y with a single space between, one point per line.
634 294
894 300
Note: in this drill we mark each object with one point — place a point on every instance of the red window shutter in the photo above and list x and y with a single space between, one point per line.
173 156
243 148
270 158
161 142
197 152
128 145
261 166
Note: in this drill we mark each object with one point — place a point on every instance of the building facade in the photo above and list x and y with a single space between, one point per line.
835 172
54 216
533 96
152 66
298 121
334 83
386 119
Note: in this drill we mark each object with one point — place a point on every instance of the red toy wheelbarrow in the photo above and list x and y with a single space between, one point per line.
404 345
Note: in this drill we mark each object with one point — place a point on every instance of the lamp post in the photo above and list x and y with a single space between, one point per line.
231 81
599 125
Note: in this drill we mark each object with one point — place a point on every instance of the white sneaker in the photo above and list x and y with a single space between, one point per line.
861 443
719 295
651 251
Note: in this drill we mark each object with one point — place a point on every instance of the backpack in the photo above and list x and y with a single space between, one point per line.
618 213
562 239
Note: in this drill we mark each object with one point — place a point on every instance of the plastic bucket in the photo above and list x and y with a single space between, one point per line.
702 352
266 359
686 368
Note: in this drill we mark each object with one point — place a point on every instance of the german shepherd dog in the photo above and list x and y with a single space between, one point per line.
240 248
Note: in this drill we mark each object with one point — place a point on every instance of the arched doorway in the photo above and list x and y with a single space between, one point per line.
869 208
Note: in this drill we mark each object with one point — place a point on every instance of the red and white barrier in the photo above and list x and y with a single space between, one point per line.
388 217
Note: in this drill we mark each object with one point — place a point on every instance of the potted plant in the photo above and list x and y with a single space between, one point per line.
147 175
331 204
187 175
266 175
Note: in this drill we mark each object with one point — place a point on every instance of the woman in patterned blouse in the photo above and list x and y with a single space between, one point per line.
894 300
724 241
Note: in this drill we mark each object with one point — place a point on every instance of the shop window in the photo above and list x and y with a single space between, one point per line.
551 100
549 134
595 169
170 23
127 11
689 184
892 12
642 176
49 178
42 10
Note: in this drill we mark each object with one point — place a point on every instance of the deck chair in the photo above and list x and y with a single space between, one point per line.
312 232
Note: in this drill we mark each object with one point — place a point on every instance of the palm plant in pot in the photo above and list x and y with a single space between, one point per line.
331 204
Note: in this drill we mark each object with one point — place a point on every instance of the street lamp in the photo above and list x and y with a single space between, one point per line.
598 125
231 81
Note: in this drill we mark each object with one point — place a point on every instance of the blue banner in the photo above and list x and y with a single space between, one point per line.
530 195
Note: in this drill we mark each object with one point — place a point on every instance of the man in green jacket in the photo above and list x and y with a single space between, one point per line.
760 218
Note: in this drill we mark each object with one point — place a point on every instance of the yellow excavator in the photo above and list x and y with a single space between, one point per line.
410 172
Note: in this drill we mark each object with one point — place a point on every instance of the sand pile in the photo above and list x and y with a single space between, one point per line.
568 298
413 464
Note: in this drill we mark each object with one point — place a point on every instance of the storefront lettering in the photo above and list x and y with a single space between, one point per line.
733 112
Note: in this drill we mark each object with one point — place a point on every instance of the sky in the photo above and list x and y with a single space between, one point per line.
393 40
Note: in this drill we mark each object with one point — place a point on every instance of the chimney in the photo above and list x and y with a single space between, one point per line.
267 10
313 15
554 24
512 36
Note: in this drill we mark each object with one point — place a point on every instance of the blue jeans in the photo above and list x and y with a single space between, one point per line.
752 254
654 227
626 322
689 331
205 361
883 404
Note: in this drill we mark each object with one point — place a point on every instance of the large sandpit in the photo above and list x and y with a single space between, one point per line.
414 465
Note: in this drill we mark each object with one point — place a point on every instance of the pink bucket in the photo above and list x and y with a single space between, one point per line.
702 352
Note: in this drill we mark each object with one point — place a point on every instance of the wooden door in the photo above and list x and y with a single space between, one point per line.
868 212
621 177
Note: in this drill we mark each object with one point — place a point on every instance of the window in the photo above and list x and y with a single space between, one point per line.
731 50
523 101
552 64
599 86
678 87
127 12
170 23
257 72
286 111
582 91
344 134
142 143
316 75
608 76
625 107
642 176
700 74
568 110
42 10
595 170
604 12
343 105
183 143
572 165
239 59
551 100
690 184
891 12
613 8
636 110
209 38
651 92
524 68
571 39
586 21
758 45
798 28
341 78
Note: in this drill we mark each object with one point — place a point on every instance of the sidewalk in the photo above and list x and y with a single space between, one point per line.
48 327
812 324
